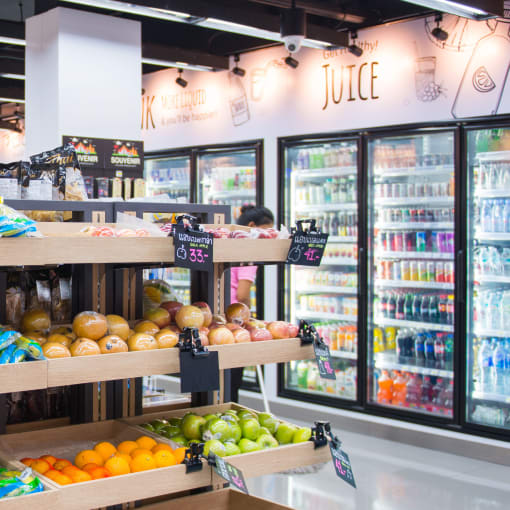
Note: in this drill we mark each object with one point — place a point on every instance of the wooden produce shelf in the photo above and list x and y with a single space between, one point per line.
24 376
66 442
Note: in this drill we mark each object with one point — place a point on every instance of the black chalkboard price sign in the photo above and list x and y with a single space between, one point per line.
193 249
230 473
307 246
342 463
324 362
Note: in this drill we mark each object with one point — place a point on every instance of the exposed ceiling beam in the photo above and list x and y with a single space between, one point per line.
194 57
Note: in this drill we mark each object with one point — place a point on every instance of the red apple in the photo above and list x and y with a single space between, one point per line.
278 329
203 330
232 326
189 317
206 311
204 339
174 327
241 335
238 313
221 336
173 307
160 316
259 334
293 330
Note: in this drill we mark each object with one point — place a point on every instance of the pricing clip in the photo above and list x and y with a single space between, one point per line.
189 341
319 432
192 457
307 333
298 229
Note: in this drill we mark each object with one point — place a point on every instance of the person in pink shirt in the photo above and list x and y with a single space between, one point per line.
242 278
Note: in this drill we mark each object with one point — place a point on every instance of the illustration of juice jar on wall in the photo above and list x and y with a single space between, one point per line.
238 101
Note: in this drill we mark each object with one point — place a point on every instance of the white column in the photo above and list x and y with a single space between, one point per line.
83 77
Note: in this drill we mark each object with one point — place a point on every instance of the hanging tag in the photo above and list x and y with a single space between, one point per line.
324 361
230 473
307 246
193 249
342 463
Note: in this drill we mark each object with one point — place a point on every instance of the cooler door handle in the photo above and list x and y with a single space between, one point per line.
460 272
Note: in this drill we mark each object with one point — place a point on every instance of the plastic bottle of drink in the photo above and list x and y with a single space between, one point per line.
497 217
383 305
506 216
399 313
426 393
426 303
391 306
400 346
487 216
433 309
413 392
437 401
442 310
448 351
499 368
430 359
417 307
505 309
507 365
495 310
385 393
408 307
485 366
447 398
439 349
399 390
419 349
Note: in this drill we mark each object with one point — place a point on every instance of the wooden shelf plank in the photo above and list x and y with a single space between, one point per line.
32 375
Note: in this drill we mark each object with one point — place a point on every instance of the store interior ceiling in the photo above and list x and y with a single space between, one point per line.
201 33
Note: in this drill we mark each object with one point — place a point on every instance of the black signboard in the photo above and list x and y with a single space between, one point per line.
193 249
199 372
324 362
342 463
307 248
124 154
230 473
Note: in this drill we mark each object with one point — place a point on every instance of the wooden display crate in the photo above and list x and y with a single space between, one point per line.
224 499
28 375
273 460
66 442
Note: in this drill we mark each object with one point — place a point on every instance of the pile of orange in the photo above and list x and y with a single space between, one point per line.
107 460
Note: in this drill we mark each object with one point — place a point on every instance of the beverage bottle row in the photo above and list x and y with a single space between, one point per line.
433 308
329 303
494 175
410 390
327 278
339 336
414 189
166 175
421 241
489 260
494 366
341 250
230 179
495 216
491 415
408 215
331 191
387 156
492 309
415 270
325 157
338 223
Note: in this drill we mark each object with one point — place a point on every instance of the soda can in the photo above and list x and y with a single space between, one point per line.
409 241
404 270
449 272
385 270
421 241
432 241
413 215
422 271
395 190
381 239
431 272
441 242
396 273
440 272
398 241
391 240
413 270
406 215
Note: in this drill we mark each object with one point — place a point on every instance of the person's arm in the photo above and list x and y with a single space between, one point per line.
243 292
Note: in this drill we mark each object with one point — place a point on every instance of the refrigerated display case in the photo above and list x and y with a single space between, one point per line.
411 280
321 182
488 278
169 175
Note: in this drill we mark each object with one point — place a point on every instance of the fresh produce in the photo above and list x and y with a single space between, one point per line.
189 317
142 342
145 326
206 312
84 347
238 313
106 231
159 316
221 336
112 343
117 325
36 320
90 325
248 233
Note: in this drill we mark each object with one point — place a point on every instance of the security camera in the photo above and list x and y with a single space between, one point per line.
293 28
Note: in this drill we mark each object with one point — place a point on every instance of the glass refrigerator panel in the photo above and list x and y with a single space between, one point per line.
170 175
488 327
321 183
411 278
228 178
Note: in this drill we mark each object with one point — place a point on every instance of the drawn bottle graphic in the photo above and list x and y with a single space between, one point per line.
238 101
484 79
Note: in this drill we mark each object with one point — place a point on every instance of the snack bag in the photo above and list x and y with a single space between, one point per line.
10 180
15 224
18 483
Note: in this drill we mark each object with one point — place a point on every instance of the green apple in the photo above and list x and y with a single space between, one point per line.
244 413
269 421
209 416
180 440
267 441
229 418
216 428
247 446
191 425
214 446
231 449
302 435
263 431
232 413
170 431
175 421
236 431
158 424
250 428
285 433
147 426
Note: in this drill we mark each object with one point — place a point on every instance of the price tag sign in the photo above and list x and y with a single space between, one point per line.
193 249
324 362
342 464
230 473
307 249
199 373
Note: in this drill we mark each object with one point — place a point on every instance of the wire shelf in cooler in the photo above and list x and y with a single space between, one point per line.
492 236
414 369
170 184
492 193
492 397
414 172
492 279
342 239
416 225
338 261
478 331
323 393
383 321
414 201
178 283
334 171
411 284
427 255
219 195
344 354
308 314
320 208
327 289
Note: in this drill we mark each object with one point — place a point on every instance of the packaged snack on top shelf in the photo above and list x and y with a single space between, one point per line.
16 224
18 483
10 180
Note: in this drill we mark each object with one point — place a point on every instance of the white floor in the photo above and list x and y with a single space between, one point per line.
393 476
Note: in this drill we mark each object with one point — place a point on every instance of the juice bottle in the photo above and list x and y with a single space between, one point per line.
385 393
378 341
399 390
414 392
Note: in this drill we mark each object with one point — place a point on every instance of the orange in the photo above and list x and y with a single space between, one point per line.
52 473
49 459
27 461
69 470
143 463
146 442
124 456
105 449
162 446
80 476
40 465
127 447
87 457
99 472
89 467
61 464
117 465
62 479
179 454
164 458
140 451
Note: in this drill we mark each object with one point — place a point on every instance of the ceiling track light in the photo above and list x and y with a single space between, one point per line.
291 62
354 48
180 80
472 9
438 32
238 71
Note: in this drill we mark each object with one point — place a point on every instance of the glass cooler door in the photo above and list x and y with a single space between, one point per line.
170 175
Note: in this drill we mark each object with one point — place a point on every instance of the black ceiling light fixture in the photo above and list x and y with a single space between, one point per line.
180 80
353 47
438 32
291 62
238 71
